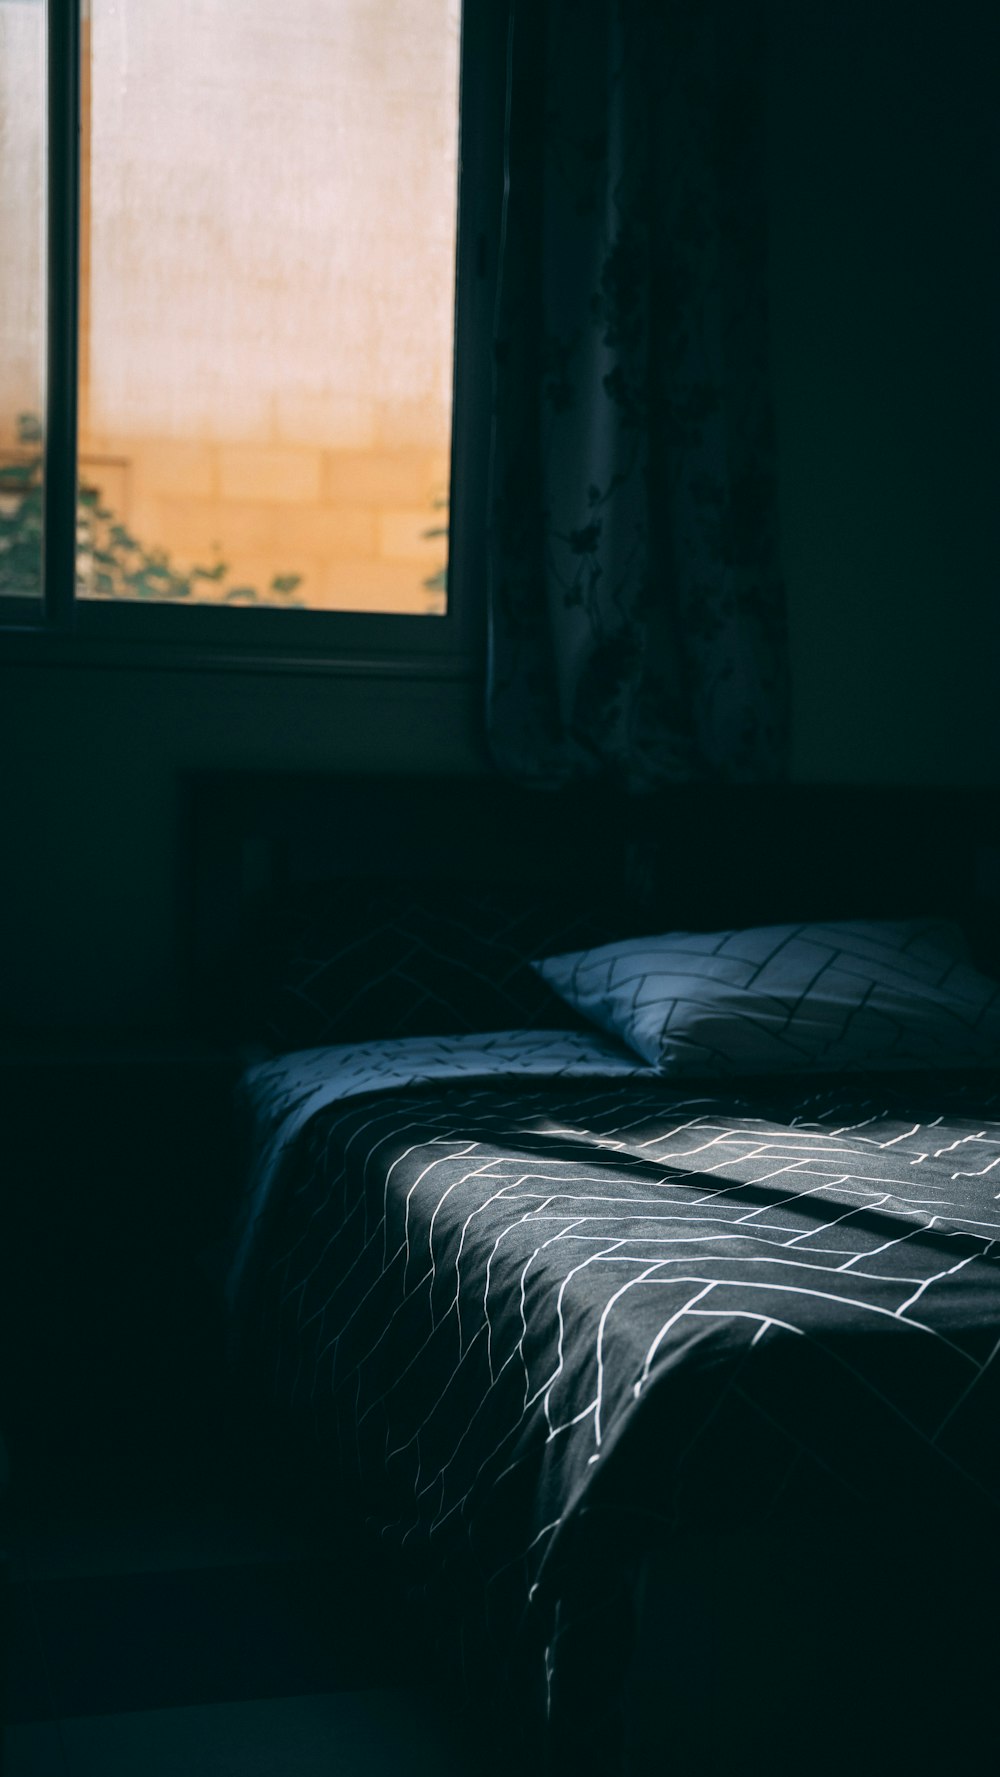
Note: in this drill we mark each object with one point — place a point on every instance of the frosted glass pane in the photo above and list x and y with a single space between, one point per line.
267 299
22 294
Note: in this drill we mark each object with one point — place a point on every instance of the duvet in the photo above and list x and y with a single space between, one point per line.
544 1310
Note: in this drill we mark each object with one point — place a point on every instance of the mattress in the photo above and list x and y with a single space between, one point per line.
544 1312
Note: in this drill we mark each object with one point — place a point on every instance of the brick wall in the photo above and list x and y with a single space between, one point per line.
352 523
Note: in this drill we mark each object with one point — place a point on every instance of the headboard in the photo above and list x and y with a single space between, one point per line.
693 856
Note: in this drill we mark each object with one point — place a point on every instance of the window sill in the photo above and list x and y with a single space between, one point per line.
48 648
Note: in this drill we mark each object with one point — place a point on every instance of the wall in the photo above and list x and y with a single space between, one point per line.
22 124
89 808
885 154
884 293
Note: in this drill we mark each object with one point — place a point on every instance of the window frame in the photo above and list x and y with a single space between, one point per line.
60 628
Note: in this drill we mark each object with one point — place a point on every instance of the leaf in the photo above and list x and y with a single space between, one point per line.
284 583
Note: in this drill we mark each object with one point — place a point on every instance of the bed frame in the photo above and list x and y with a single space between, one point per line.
700 857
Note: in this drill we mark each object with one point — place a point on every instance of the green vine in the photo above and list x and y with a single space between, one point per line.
437 582
111 562
21 514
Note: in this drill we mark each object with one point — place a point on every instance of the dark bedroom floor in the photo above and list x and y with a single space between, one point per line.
215 1621
184 1600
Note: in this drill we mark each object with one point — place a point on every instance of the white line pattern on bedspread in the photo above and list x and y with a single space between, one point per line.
549 1277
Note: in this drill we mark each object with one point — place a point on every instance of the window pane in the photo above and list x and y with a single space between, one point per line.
267 298
22 299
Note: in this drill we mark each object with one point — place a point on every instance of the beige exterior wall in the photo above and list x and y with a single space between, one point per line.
22 212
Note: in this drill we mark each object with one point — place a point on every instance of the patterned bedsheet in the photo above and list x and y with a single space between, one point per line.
545 1308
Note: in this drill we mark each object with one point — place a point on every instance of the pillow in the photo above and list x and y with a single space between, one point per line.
360 959
775 999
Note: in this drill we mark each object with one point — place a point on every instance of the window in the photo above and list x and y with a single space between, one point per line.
253 250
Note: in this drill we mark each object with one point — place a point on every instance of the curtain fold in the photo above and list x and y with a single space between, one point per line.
636 609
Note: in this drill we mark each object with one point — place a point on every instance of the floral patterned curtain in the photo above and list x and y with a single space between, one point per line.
636 623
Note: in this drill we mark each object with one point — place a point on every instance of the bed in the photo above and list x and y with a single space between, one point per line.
673 1398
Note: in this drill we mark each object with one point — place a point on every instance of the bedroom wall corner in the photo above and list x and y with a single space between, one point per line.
885 289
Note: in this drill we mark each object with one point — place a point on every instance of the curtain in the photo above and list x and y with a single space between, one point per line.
636 610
